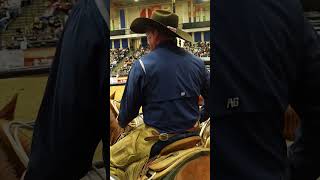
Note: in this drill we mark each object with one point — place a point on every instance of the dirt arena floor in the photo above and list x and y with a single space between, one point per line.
119 91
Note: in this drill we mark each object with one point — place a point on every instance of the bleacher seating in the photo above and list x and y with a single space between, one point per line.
201 49
120 62
40 24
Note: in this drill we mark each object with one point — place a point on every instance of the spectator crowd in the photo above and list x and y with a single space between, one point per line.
120 63
122 59
10 9
116 55
45 30
201 49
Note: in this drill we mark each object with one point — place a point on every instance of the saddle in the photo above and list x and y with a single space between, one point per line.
166 166
173 154
205 133
168 157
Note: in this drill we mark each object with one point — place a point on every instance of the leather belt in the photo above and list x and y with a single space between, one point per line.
159 136
166 136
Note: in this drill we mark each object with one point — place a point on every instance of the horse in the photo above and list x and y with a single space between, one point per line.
115 129
15 146
7 169
193 168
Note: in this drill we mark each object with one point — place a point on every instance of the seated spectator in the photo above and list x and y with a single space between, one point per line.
57 23
14 7
58 32
51 21
4 18
49 12
37 25
64 7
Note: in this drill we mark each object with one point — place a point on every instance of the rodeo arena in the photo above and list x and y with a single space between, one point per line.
30 31
29 34
182 157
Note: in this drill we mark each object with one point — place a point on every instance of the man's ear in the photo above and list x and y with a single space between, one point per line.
156 34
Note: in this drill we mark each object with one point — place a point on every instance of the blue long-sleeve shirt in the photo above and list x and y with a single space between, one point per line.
167 90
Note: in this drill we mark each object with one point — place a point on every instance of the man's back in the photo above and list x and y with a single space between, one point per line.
175 79
168 82
259 48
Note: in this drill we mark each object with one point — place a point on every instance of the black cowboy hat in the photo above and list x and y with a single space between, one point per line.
160 19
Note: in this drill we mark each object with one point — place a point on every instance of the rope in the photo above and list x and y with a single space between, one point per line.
11 131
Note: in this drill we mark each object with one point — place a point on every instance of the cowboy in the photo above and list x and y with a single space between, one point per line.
166 83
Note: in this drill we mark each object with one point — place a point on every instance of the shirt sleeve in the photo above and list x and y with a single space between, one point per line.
204 112
132 97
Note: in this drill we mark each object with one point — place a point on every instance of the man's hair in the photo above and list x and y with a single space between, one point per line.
163 33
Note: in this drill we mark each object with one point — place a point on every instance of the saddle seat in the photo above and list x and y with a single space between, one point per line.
167 157
181 144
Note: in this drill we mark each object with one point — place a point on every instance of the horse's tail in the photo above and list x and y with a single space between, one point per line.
7 112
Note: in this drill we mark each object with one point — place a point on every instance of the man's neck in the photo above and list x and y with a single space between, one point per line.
165 41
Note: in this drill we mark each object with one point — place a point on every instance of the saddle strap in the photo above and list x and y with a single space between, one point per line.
181 144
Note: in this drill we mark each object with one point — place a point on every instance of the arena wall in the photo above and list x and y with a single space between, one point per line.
187 11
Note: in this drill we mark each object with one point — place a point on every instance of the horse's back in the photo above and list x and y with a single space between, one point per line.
183 164
198 168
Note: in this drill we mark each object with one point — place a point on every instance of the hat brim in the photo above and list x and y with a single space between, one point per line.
140 25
